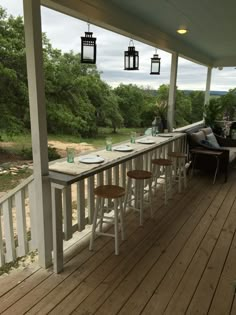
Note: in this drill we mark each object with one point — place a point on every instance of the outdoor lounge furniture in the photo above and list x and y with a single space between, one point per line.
198 152
205 139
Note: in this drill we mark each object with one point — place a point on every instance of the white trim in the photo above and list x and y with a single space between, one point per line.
34 57
172 92
208 86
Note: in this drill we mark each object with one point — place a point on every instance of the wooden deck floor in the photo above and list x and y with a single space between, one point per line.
181 262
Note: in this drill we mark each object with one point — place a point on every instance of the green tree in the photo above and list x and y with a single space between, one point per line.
13 78
183 106
131 103
212 112
228 102
197 100
183 109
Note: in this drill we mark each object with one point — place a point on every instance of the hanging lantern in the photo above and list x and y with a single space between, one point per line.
131 58
155 64
88 48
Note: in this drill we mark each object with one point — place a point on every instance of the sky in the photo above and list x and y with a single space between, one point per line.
65 32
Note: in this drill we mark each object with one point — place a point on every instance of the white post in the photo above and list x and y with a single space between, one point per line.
208 86
34 56
172 91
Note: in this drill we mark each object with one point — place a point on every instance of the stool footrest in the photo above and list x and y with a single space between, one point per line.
105 234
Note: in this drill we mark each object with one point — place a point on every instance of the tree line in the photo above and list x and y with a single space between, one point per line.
78 101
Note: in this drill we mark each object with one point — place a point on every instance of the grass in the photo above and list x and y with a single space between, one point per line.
98 141
23 142
9 181
21 147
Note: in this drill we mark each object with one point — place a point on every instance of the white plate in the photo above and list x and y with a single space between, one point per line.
165 135
146 141
91 159
123 148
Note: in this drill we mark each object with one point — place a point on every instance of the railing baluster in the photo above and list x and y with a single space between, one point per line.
108 181
22 248
90 199
33 218
123 174
2 256
81 205
116 174
9 232
108 176
67 212
100 178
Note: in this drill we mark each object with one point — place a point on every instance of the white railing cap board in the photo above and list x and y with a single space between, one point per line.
66 179
191 126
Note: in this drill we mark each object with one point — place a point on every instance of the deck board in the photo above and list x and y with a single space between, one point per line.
165 266
180 262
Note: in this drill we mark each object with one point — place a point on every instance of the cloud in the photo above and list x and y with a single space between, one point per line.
64 33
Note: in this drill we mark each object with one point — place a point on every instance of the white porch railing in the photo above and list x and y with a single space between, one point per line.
18 220
65 221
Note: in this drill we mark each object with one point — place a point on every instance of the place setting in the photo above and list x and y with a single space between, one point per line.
74 165
165 135
121 147
91 159
146 141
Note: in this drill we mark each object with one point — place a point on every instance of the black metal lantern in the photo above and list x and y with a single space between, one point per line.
155 64
88 48
131 58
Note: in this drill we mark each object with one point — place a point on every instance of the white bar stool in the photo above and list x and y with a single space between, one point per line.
162 169
179 159
139 177
108 192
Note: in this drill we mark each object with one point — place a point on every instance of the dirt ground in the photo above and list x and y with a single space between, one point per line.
61 147
6 157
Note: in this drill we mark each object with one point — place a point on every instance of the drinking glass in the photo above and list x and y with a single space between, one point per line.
70 151
109 144
132 137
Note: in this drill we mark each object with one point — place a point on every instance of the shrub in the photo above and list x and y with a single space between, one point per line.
52 153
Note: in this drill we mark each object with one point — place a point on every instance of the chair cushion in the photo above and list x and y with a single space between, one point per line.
207 143
207 130
212 139
197 137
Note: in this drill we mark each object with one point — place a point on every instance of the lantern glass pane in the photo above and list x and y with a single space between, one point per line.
131 61
155 66
88 52
136 61
126 62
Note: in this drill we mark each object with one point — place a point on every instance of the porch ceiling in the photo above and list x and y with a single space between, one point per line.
211 24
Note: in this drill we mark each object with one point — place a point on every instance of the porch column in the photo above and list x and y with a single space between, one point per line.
34 56
172 92
208 86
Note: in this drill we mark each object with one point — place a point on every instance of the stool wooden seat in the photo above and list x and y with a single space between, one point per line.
179 159
162 162
177 154
108 192
139 176
162 169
